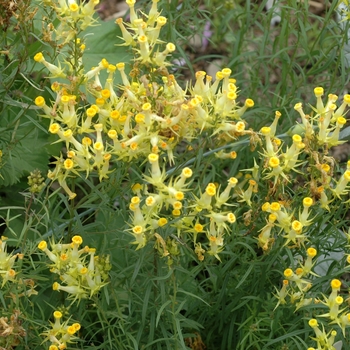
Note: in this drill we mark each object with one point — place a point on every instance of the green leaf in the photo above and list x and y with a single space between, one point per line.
23 148
345 134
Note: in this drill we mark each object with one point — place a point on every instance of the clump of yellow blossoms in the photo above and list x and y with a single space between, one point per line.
7 260
82 274
311 141
146 117
149 115
61 333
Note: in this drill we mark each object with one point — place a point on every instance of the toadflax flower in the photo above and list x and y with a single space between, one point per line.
82 274
56 72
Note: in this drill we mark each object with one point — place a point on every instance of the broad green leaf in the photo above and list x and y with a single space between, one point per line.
23 148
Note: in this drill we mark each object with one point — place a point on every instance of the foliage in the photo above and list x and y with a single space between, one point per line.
169 218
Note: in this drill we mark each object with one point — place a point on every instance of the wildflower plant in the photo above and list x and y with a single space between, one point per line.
200 229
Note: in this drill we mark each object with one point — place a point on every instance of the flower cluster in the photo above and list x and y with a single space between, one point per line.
147 116
81 277
324 340
7 260
338 313
164 209
145 34
60 333
149 113
297 283
311 141
284 219
320 130
73 15
296 286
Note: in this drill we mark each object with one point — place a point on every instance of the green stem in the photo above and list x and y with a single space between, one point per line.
173 305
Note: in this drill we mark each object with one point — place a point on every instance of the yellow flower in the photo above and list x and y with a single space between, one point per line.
318 91
266 130
307 202
311 252
71 330
211 189
144 48
198 228
275 206
42 245
341 188
40 101
57 314
91 112
297 225
313 323
281 295
162 222
54 70
54 128
39 57
336 284
74 7
105 93
88 8
68 164
77 240
249 103
288 273
76 325
274 162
